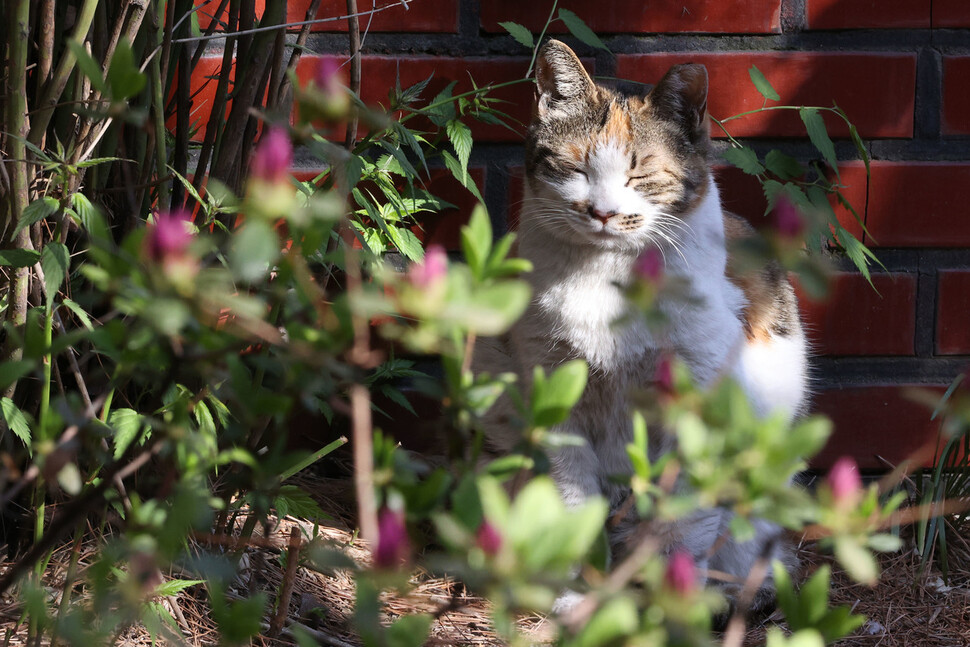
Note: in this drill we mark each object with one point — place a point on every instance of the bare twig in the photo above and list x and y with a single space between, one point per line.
291 25
289 579
353 28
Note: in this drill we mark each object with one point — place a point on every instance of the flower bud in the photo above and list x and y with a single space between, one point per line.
431 269
272 157
488 538
650 265
786 219
326 77
168 236
393 545
845 482
663 377
680 575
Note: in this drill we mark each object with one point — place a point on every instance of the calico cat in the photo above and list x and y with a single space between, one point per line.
610 174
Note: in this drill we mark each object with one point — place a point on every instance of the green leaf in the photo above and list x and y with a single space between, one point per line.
616 619
815 126
519 33
554 396
476 241
79 313
35 212
461 138
885 543
745 159
55 261
12 371
16 420
126 424
174 587
856 560
293 501
859 145
580 29
89 67
409 631
18 257
461 174
762 84
69 478
784 166
125 80
90 217
406 242
254 250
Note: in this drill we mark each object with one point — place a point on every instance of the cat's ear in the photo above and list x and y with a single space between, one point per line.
681 96
561 80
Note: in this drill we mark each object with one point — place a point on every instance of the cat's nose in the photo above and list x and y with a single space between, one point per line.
600 215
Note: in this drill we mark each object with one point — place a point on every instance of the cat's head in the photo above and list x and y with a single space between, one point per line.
612 168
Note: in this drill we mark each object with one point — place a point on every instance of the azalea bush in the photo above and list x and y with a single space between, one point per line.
165 321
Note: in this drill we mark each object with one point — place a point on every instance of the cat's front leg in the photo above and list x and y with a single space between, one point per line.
575 469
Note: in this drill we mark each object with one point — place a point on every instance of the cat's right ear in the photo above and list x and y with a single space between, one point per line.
561 79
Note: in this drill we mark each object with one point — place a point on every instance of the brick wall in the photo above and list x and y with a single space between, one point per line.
900 68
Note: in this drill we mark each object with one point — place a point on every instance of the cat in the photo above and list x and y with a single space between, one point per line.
609 174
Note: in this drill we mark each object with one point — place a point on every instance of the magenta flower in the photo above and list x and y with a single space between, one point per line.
786 219
431 270
393 545
650 265
680 575
488 538
845 482
663 377
168 237
272 157
326 77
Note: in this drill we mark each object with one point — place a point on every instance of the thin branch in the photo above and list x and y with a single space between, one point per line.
291 25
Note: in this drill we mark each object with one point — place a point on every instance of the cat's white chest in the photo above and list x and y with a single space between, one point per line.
589 313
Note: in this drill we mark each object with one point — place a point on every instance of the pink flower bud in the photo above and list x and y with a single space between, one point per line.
650 265
845 482
431 270
393 546
272 157
663 377
786 218
680 576
326 76
488 538
168 236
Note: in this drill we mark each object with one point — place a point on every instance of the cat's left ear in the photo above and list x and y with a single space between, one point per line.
681 96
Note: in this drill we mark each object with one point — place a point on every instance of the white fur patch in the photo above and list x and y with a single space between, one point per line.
774 374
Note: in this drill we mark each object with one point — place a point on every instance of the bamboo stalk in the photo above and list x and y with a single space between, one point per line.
353 28
16 124
55 87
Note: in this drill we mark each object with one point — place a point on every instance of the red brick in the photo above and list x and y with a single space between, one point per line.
854 81
873 421
423 16
612 16
205 78
953 313
742 194
951 13
856 320
884 14
918 204
956 95
379 74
